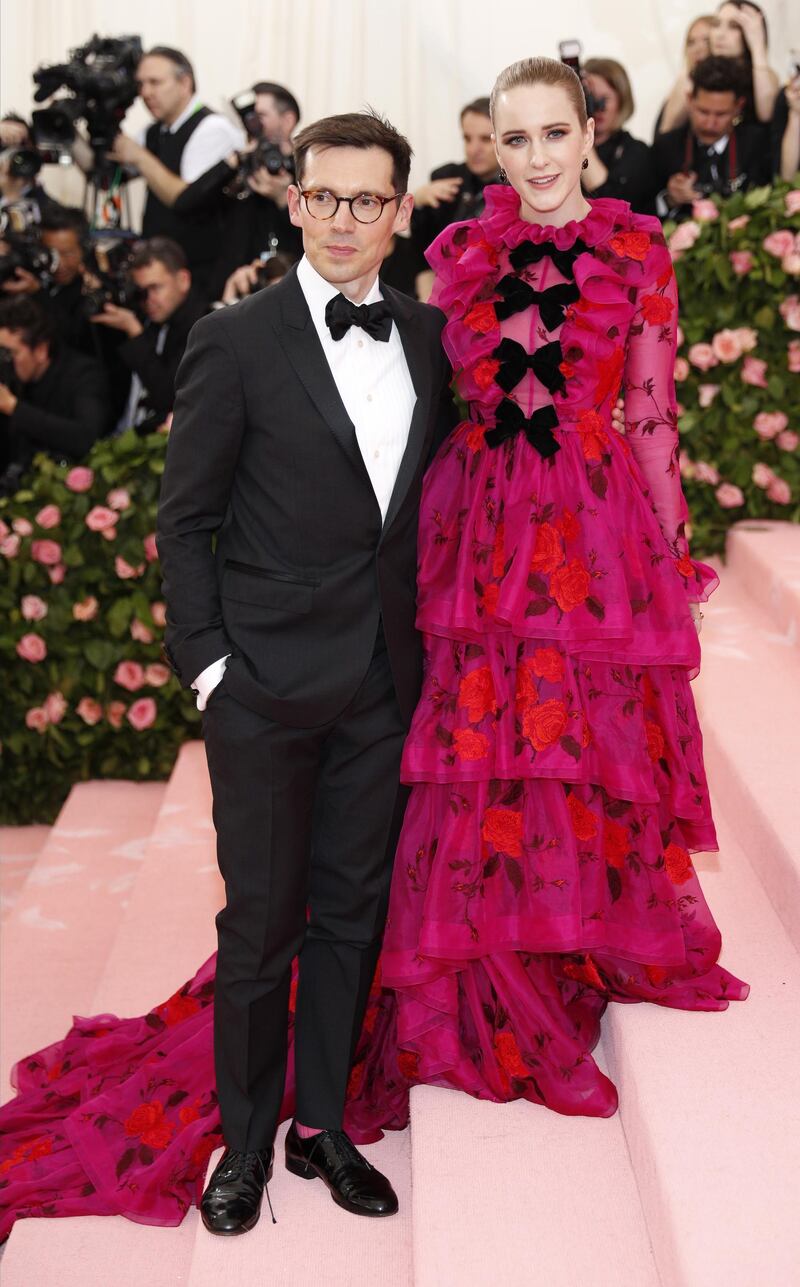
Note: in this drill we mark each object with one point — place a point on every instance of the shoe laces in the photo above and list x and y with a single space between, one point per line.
343 1147
237 1164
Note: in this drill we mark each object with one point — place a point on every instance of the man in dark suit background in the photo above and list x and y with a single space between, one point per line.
304 419
455 190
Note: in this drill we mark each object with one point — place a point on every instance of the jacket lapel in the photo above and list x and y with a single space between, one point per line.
420 366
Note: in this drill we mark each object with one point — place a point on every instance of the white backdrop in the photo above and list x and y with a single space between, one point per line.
417 61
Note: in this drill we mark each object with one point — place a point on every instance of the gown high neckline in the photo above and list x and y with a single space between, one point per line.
502 221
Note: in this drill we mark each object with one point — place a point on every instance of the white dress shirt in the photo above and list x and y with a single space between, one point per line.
375 386
214 138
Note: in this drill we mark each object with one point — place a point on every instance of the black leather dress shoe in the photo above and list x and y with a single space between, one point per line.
231 1203
333 1157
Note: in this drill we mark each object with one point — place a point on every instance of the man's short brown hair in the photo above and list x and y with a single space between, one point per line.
159 250
356 129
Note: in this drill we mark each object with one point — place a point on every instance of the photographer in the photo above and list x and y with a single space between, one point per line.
52 398
618 164
710 153
455 190
18 170
185 140
153 349
64 232
260 222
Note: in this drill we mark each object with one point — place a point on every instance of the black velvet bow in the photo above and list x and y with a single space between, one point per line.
518 295
528 252
514 362
537 429
342 313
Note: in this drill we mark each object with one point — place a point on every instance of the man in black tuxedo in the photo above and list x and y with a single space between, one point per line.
304 419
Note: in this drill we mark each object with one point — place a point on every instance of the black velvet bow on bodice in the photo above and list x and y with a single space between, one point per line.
537 428
519 295
528 252
514 362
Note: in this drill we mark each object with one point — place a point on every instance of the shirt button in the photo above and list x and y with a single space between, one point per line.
377 455
369 397
361 344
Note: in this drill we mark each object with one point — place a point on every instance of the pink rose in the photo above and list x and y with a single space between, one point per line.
741 221
747 337
679 335
46 552
780 491
754 371
125 571
99 517
684 236
790 312
686 465
791 264
9 546
158 611
118 498
793 356
702 356
705 473
109 534
729 496
788 440
706 393
49 516
130 675
681 368
79 479
156 675
142 714
4 530
86 609
762 474
768 424
704 211
792 205
21 526
36 718
33 608
741 262
140 632
114 713
55 707
726 345
90 711
150 551
57 573
779 243
32 648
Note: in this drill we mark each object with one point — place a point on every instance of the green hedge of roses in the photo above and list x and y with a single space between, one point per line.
86 694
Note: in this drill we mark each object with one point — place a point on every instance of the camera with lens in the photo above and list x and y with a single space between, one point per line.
569 51
101 79
110 267
22 246
266 154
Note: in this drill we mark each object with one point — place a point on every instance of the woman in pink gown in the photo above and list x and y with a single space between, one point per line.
544 867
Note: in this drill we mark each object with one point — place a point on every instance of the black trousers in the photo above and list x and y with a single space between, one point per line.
307 823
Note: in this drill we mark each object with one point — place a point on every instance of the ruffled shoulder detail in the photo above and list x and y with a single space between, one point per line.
503 226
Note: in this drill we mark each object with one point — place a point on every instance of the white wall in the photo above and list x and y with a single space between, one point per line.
417 62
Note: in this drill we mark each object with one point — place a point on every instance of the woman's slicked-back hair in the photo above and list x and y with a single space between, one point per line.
541 71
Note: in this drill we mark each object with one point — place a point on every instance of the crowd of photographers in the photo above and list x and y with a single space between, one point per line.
94 318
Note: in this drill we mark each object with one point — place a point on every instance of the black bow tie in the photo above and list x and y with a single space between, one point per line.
537 429
341 313
518 295
514 362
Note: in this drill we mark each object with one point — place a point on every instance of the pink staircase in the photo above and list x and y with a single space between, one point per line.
694 1183
19 849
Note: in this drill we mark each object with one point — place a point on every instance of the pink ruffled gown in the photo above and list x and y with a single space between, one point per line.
555 756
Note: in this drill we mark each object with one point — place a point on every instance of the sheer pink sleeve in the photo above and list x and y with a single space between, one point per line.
652 419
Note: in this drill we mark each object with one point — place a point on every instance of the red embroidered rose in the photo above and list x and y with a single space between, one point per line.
678 864
616 843
548 664
610 376
481 318
408 1063
484 372
526 693
476 693
469 745
585 973
188 1113
475 437
567 369
203 1149
148 1122
508 1055
569 526
178 1007
584 822
499 551
544 723
656 974
569 585
548 553
685 566
594 438
502 828
655 739
656 309
491 593
630 245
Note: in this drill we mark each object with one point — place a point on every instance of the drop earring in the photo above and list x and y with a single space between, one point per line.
502 176
585 164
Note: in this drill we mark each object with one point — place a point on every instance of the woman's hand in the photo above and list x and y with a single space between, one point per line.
697 616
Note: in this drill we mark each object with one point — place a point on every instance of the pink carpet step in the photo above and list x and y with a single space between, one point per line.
748 695
315 1243
765 557
709 1102
515 1194
97 1251
59 933
19 849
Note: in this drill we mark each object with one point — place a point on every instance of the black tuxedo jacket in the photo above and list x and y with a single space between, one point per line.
157 371
263 457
